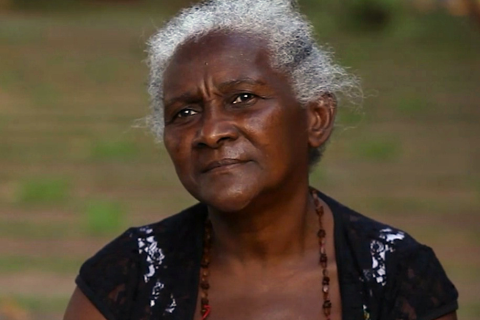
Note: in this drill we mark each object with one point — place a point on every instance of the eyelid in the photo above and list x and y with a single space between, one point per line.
237 95
176 114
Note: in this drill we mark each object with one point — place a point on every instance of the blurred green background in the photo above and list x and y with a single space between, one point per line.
75 173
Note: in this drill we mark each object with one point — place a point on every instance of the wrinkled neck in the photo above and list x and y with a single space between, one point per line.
267 234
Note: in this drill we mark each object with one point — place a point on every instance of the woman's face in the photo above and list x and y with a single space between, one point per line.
233 127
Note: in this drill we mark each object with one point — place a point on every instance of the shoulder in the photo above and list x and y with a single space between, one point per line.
167 232
404 278
128 268
173 228
359 231
139 247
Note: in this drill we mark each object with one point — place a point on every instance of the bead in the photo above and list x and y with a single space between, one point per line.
205 285
205 311
327 306
205 262
323 260
321 233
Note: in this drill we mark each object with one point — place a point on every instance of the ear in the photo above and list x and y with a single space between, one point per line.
321 117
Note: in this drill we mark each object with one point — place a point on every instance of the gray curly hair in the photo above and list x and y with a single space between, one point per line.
288 35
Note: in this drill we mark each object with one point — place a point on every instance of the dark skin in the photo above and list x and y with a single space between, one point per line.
239 142
225 101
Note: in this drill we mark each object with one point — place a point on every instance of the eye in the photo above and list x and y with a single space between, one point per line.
243 98
184 113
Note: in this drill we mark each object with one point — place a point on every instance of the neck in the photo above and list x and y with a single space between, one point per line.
268 233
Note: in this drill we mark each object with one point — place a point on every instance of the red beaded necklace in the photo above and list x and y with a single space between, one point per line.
205 308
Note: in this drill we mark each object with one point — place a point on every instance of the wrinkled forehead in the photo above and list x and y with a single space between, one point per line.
220 56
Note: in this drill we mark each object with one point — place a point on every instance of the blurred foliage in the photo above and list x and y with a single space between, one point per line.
40 230
377 149
113 150
61 265
368 15
104 217
43 190
412 106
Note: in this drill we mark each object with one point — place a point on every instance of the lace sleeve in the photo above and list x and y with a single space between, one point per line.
420 289
109 278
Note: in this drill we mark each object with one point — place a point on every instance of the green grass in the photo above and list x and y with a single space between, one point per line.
43 190
104 217
39 230
377 149
413 106
113 150
350 118
318 175
14 264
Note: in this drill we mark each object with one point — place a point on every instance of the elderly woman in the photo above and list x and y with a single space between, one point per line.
245 101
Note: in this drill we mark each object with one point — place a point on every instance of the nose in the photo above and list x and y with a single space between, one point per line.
215 129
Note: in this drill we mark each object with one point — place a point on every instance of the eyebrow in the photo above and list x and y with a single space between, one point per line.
227 85
188 96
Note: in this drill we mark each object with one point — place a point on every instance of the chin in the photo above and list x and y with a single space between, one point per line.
228 199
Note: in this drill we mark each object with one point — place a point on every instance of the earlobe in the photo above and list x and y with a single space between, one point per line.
321 114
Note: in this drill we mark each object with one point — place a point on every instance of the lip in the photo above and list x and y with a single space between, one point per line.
221 164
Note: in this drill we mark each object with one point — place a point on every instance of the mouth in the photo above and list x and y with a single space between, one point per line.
222 164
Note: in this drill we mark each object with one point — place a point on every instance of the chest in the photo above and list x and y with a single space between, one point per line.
297 295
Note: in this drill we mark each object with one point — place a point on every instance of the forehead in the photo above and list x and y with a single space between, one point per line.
218 57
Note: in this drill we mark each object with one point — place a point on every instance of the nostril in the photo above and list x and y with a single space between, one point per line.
222 139
215 135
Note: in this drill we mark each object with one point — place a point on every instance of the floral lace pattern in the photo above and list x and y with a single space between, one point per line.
379 248
153 255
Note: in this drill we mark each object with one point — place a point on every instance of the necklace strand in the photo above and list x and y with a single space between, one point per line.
205 307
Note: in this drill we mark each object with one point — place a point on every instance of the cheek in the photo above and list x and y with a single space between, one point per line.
181 159
277 127
264 123
270 135
175 145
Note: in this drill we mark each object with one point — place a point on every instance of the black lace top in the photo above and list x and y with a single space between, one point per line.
152 272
